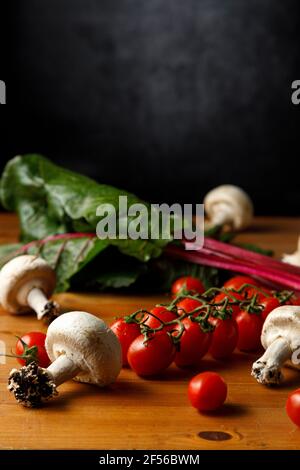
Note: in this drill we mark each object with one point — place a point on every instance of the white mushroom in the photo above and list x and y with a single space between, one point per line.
281 340
228 205
293 258
82 347
26 283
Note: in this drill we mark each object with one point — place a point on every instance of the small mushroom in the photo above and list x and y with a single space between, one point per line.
281 340
228 205
26 283
293 258
82 347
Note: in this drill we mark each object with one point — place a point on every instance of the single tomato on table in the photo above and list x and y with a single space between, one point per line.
126 334
207 391
293 407
187 283
151 356
32 346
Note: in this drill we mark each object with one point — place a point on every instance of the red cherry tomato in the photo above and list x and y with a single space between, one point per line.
293 407
188 305
34 338
194 344
237 281
151 357
163 314
268 303
126 334
260 293
224 337
207 391
187 283
295 300
231 296
249 327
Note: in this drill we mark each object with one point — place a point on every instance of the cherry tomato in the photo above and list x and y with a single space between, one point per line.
224 337
187 283
151 357
261 294
293 407
163 314
194 344
188 305
249 327
207 391
34 338
295 300
237 281
268 303
235 308
126 334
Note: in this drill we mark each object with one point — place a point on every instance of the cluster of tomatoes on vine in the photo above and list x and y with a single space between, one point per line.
196 322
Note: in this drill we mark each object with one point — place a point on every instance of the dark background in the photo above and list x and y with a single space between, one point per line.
165 98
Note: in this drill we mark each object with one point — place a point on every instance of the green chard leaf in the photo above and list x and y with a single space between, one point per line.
54 204
50 200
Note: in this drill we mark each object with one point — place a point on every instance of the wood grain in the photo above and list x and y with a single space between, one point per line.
136 413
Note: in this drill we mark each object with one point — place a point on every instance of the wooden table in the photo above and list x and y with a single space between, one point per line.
150 414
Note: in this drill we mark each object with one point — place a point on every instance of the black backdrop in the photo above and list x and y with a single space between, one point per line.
165 98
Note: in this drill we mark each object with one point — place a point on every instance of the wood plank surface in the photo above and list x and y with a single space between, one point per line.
136 413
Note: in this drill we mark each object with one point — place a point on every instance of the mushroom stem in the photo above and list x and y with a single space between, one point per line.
267 369
62 369
41 305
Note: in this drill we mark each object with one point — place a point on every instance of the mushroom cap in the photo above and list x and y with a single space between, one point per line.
19 276
231 200
282 322
91 345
